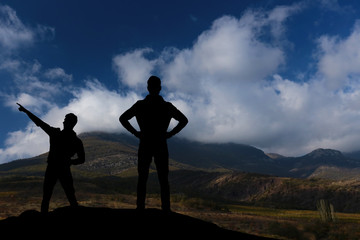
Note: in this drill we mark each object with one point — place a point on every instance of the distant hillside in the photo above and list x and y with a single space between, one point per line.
26 167
306 165
227 155
345 175
269 191
110 153
221 172
196 155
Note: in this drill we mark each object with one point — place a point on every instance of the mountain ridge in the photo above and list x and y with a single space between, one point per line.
115 153
306 165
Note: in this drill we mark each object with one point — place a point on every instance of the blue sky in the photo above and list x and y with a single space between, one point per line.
283 76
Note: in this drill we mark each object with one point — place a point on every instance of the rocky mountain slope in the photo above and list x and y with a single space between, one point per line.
105 148
306 165
268 191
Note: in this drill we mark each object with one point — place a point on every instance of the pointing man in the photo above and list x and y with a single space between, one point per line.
64 144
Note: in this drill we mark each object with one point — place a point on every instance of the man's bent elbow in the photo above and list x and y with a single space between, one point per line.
78 161
185 121
82 160
122 119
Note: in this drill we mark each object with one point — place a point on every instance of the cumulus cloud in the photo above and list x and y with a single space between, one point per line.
96 107
228 53
24 143
15 34
132 68
12 31
228 84
24 79
58 73
33 85
339 59
334 6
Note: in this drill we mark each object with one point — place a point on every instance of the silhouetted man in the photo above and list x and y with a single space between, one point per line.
64 144
153 115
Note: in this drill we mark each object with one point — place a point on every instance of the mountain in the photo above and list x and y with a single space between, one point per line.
324 157
226 155
306 165
186 154
191 153
344 175
110 153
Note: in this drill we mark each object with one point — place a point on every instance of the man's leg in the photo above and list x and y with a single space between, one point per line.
48 186
144 161
67 183
161 160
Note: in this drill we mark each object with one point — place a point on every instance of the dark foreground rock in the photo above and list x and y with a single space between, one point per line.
84 222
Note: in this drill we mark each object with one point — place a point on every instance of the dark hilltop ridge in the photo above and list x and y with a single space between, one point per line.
84 222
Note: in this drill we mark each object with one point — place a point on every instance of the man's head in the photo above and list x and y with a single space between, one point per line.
154 85
70 121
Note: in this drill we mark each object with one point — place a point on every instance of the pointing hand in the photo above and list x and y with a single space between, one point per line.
21 108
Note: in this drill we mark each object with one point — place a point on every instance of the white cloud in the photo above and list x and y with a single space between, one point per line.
10 65
37 104
132 68
339 59
279 15
21 144
224 81
334 6
33 85
97 108
58 73
228 84
15 34
26 76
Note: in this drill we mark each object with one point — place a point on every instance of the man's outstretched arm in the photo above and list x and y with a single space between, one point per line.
35 119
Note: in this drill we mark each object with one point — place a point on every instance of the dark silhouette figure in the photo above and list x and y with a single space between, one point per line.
153 115
64 144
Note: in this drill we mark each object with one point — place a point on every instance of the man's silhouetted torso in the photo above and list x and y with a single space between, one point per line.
63 145
153 115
